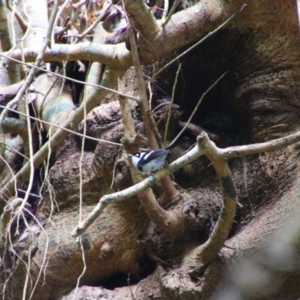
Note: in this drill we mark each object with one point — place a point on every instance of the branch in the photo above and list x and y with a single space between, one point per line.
210 249
9 92
109 79
23 24
143 19
240 151
85 83
39 56
137 188
114 56
173 8
12 125
150 127
185 27
196 108
5 219
143 103
218 158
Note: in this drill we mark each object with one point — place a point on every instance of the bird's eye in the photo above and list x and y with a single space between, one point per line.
150 3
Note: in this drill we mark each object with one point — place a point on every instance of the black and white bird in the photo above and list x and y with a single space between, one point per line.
149 161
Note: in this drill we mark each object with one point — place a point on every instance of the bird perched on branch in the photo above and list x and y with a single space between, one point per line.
149 161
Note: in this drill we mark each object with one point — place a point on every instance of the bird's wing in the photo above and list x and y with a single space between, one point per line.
148 156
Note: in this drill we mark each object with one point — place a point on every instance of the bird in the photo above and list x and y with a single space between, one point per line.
149 161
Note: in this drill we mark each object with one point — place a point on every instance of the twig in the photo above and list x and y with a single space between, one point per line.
196 108
240 151
171 102
166 8
5 219
199 42
72 79
23 24
174 6
60 11
143 103
98 19
190 156
57 138
197 151
150 126
60 127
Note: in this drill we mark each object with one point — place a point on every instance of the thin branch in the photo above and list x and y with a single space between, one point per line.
23 24
196 108
240 151
60 11
71 79
150 126
95 23
198 150
110 78
199 42
190 156
166 9
143 103
6 217
210 249
5 127
170 104
196 130
174 6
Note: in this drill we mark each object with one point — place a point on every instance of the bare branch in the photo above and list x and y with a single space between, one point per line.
137 188
110 79
173 8
240 151
185 27
218 158
196 108
114 56
70 79
6 127
210 249
144 20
